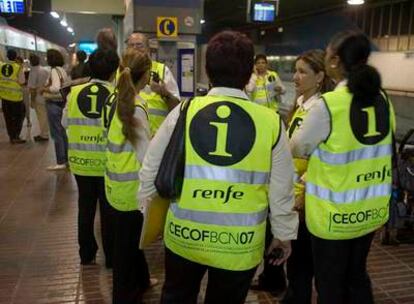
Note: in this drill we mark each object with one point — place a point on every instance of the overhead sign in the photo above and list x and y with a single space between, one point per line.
167 27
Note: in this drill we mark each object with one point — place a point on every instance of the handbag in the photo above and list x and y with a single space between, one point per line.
49 96
170 176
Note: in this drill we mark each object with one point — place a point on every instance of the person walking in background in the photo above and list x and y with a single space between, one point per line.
38 77
237 167
12 79
106 39
81 70
83 116
310 81
348 139
265 86
54 107
162 93
128 139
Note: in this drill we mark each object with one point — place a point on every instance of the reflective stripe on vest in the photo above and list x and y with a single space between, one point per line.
123 177
351 156
158 112
84 122
114 148
349 196
87 147
217 218
224 198
226 174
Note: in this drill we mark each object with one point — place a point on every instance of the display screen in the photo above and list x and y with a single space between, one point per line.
263 12
87 47
12 7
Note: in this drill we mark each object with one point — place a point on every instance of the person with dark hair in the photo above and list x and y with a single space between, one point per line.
54 107
81 70
12 79
106 39
265 86
128 139
83 116
237 167
348 140
162 93
38 76
310 81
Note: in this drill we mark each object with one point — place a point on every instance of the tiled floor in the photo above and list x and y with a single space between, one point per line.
38 247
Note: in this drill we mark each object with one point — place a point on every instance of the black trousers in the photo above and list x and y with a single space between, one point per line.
91 190
273 277
300 269
340 270
130 270
183 278
14 113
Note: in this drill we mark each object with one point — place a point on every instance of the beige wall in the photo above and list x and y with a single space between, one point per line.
111 7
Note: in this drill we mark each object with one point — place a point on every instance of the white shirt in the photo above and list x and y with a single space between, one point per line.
38 77
314 129
284 221
54 76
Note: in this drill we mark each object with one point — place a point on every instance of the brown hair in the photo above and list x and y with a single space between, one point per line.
54 58
229 60
316 61
134 65
106 39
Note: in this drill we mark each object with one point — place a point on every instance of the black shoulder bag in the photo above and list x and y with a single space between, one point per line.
170 176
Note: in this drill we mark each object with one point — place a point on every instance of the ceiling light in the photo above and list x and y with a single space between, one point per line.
54 14
356 2
72 45
70 30
63 23
202 21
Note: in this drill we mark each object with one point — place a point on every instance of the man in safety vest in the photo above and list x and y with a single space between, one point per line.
237 165
87 140
162 93
11 93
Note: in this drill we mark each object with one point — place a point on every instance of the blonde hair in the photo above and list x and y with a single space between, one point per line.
134 65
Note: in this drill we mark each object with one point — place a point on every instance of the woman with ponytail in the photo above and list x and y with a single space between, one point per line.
347 138
128 138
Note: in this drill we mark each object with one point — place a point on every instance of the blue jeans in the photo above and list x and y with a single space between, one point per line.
57 131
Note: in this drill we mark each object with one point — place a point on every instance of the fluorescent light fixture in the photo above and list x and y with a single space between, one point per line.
72 45
356 2
54 14
69 29
202 21
63 23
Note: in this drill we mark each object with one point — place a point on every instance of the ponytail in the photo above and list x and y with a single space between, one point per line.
126 105
135 65
364 82
353 49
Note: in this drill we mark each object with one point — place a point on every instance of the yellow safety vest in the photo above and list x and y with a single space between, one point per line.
122 167
86 134
157 108
348 184
220 218
262 93
10 89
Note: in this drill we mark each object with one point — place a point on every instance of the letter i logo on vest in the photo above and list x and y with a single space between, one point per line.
7 70
222 133
91 100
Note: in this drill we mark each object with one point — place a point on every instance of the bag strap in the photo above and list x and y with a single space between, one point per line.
405 140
